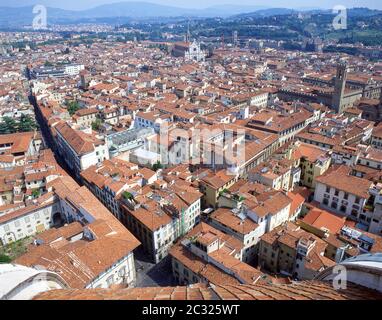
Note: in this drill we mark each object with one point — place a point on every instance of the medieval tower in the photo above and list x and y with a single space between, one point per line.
338 103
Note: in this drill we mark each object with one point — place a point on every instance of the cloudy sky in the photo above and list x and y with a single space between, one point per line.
84 4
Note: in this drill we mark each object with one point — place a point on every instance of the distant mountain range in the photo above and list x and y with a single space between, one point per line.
147 9
22 15
353 12
266 12
12 16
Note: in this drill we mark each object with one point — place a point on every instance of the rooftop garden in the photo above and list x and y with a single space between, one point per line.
223 192
127 195
36 193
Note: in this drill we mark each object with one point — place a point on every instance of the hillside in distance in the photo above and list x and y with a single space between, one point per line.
12 16
290 24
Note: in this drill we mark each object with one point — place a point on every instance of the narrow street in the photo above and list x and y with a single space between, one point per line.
48 140
151 275
148 274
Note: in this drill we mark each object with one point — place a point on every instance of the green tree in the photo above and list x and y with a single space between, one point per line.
8 125
157 166
26 124
5 259
73 106
3 128
36 193
127 195
96 124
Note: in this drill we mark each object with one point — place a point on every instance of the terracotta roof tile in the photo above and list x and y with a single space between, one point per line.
305 290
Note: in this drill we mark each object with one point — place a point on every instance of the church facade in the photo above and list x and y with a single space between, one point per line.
189 51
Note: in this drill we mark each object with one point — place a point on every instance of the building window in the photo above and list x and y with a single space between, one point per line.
110 280
122 272
325 202
334 205
346 196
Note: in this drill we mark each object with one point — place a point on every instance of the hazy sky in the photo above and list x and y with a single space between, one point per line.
82 4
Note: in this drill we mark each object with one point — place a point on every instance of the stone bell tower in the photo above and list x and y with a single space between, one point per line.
339 88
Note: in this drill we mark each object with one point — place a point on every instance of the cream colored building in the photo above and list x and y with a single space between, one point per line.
85 117
314 162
